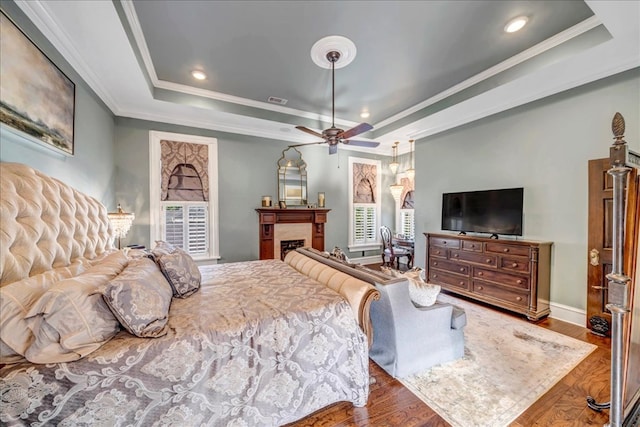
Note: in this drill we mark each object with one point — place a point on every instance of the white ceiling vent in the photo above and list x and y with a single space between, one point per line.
276 100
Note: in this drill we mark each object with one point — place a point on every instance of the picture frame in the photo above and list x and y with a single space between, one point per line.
37 100
282 204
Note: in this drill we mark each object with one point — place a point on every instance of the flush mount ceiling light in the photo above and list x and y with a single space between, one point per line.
365 114
198 75
516 24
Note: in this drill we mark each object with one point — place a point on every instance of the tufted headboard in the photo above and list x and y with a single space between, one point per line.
45 224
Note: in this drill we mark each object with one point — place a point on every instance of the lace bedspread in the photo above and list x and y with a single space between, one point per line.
259 345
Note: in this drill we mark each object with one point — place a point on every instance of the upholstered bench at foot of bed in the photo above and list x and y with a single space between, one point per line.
357 292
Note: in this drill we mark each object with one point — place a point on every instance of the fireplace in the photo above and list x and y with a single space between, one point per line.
289 245
278 225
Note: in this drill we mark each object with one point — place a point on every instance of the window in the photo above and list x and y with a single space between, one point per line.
407 227
186 225
364 206
184 192
405 218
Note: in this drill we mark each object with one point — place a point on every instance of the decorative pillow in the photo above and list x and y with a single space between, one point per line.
339 253
140 298
181 272
17 298
163 248
421 293
71 319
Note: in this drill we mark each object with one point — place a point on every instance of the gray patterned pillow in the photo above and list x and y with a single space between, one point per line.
163 248
140 298
181 272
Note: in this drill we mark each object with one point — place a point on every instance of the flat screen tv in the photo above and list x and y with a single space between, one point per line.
489 211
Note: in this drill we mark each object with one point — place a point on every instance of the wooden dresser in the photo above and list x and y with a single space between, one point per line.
512 274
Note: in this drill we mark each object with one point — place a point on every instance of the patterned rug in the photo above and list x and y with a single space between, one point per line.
508 364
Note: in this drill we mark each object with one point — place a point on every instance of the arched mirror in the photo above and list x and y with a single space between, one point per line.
292 178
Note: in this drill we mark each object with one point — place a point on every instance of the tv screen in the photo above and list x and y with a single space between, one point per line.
490 211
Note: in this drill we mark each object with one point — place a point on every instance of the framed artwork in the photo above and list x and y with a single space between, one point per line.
36 98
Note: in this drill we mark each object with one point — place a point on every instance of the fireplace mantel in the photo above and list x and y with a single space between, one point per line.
269 217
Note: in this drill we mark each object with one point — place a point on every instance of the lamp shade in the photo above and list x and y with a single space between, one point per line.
394 167
411 173
121 222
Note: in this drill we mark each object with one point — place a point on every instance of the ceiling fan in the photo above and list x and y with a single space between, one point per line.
333 135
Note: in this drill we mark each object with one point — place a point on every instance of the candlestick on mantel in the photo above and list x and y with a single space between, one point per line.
321 199
266 201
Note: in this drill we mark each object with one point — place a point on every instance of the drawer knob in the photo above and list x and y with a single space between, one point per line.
480 273
488 261
506 249
519 281
461 283
434 276
461 268
514 265
480 288
435 263
519 299
444 243
455 255
437 252
473 246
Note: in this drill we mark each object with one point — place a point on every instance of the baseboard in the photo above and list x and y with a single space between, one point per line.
377 259
568 314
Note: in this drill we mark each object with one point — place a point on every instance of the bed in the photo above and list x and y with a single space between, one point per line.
260 342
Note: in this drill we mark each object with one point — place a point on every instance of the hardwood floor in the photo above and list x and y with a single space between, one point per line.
391 404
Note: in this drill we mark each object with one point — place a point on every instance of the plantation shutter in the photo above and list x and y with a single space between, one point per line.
364 222
186 226
407 222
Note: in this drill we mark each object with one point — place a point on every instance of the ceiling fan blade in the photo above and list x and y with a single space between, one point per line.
362 127
309 131
333 149
357 143
308 143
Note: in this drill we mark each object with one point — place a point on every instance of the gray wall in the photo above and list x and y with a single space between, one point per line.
91 168
246 172
544 147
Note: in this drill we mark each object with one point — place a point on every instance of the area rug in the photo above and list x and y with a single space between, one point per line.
508 364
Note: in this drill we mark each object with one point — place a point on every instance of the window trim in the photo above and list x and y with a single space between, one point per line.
155 182
353 247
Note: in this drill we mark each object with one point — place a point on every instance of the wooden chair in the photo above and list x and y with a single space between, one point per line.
393 253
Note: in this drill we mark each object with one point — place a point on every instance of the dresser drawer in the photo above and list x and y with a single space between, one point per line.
471 246
511 296
435 251
505 248
514 264
473 257
453 267
447 279
507 279
444 242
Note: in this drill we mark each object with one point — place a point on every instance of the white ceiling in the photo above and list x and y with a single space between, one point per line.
421 66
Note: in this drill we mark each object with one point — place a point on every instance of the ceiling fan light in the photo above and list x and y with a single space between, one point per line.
365 114
516 24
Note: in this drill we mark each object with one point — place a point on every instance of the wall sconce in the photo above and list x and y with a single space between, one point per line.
394 161
411 172
121 222
396 191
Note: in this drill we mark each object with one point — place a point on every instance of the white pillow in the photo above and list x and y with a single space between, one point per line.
421 293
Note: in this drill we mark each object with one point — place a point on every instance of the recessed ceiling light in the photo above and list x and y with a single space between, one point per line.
365 114
516 24
198 75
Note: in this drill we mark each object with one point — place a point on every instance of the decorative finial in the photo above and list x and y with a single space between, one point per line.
617 126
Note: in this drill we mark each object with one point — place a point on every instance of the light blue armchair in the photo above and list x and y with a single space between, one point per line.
408 339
